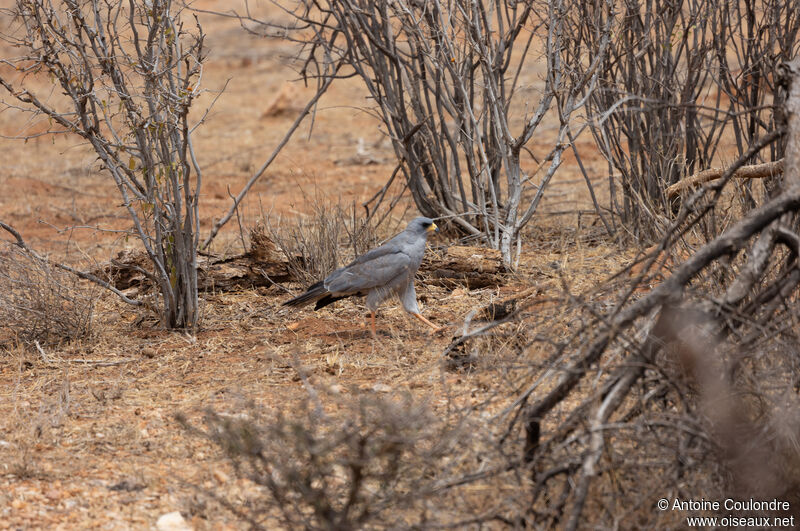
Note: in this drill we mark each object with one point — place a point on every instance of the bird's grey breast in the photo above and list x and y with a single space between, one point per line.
415 249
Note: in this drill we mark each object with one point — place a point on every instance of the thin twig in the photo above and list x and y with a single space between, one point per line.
42 353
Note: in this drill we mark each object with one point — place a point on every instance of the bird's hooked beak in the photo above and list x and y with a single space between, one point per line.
433 228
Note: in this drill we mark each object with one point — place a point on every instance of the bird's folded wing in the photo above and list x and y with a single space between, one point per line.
390 247
369 272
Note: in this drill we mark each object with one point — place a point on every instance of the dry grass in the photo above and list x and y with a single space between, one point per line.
330 236
118 459
115 450
40 303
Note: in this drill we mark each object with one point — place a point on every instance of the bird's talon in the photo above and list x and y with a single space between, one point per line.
438 330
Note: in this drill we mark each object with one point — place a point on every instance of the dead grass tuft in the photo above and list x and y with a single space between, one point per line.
39 303
330 236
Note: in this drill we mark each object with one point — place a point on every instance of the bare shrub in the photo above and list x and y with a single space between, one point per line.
687 387
452 85
39 302
675 405
127 75
752 39
682 81
373 462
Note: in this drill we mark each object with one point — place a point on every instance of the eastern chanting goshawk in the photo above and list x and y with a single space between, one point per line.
377 274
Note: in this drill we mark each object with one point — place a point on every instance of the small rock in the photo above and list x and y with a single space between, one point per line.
127 486
221 476
381 388
280 104
458 293
149 352
172 522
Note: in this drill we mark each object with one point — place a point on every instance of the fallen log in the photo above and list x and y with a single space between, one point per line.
242 272
473 267
130 271
500 309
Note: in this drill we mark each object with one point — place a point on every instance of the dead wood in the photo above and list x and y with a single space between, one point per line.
756 171
245 271
498 310
264 265
473 267
790 76
727 244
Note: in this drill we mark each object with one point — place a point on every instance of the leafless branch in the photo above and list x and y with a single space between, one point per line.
757 171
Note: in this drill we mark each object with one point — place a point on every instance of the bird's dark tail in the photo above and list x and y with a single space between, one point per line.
314 293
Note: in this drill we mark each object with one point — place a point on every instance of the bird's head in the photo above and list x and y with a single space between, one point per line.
422 226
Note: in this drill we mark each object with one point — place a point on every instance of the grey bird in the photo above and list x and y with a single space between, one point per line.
377 274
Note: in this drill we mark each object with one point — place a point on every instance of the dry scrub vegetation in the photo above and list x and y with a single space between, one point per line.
632 334
40 303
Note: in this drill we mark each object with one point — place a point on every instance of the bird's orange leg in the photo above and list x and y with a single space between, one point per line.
422 318
372 321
